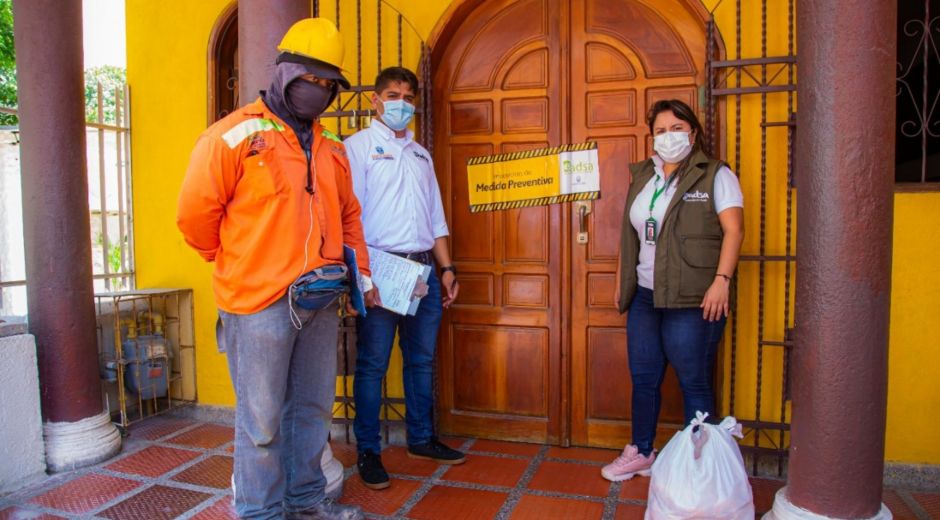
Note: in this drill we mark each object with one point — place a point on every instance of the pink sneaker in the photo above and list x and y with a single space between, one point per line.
628 464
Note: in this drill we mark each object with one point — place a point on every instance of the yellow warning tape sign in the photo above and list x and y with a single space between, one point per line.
534 177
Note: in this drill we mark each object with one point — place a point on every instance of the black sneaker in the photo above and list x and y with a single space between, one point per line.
371 471
436 451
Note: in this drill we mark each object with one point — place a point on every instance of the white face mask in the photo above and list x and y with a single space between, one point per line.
672 147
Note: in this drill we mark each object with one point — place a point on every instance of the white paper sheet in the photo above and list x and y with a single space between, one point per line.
396 278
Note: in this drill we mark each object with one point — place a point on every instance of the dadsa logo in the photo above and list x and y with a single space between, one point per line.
578 167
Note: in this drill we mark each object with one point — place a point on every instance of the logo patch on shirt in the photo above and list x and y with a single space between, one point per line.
421 156
696 196
256 145
380 154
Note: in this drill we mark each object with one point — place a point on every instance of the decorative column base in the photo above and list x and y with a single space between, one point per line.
73 445
785 510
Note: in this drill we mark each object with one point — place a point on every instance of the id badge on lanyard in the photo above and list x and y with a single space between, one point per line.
650 231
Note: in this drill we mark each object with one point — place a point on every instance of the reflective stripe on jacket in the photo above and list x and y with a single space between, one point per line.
243 205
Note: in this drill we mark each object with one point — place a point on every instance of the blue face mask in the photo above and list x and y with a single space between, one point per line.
397 114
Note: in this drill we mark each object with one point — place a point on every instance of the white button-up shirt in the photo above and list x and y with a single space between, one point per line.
395 183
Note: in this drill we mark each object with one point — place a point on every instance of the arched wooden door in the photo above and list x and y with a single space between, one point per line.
535 349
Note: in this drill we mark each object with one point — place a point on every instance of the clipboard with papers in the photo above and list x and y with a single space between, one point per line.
397 279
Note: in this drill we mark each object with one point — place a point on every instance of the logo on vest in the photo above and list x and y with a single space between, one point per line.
696 196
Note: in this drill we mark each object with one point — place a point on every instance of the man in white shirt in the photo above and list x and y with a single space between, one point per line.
402 214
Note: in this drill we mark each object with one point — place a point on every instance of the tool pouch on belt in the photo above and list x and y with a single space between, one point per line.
319 288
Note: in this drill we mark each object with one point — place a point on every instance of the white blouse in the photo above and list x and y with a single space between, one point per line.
727 193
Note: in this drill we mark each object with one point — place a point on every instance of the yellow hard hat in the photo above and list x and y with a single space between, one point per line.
315 38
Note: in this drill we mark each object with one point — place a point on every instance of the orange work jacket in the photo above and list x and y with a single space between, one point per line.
243 205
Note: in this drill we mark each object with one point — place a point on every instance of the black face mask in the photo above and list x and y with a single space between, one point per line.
307 100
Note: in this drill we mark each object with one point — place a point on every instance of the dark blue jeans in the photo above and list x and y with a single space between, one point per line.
657 337
417 338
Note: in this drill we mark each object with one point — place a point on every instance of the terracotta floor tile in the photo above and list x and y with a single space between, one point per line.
216 472
221 510
156 502
764 491
570 478
637 488
85 493
345 453
506 448
453 442
381 502
491 471
899 509
930 502
630 512
457 504
156 427
205 436
586 454
16 513
153 461
396 460
541 508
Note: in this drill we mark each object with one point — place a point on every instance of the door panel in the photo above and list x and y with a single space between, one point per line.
630 57
534 349
500 349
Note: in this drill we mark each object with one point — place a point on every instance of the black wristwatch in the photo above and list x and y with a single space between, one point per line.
450 268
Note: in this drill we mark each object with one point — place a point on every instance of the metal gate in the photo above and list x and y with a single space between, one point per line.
765 273
917 135
377 26
380 27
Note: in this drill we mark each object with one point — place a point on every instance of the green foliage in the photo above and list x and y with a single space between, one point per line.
112 81
110 77
114 263
7 62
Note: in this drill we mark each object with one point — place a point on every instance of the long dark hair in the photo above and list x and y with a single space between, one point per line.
683 112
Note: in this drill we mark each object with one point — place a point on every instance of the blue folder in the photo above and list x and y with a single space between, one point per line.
355 294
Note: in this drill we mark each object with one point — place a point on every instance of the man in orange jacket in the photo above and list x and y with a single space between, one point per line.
268 197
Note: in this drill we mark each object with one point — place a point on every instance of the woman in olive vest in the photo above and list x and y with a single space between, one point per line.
683 225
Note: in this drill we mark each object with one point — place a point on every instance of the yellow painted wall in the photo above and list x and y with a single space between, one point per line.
914 355
168 78
166 69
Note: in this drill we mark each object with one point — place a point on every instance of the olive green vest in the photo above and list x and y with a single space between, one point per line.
689 241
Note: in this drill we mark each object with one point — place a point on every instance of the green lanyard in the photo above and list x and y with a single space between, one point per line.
656 193
650 232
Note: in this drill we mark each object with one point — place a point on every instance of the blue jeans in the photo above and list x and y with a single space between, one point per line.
285 383
417 338
657 337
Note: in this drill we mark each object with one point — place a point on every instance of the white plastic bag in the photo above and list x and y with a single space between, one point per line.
701 475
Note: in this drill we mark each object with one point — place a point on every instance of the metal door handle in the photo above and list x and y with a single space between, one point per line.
584 209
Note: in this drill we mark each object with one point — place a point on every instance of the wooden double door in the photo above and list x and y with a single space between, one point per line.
535 349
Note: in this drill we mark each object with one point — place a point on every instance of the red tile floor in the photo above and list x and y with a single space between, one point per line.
180 468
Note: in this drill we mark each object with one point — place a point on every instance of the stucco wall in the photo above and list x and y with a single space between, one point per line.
21 445
914 352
